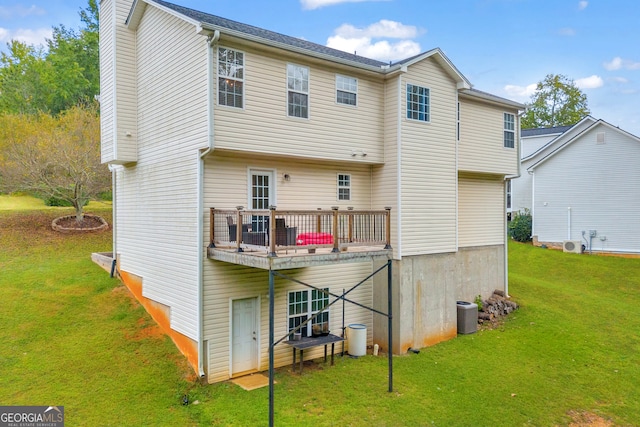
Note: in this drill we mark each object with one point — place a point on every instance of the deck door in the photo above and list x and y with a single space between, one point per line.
262 195
244 346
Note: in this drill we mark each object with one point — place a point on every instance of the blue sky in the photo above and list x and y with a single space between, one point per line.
502 46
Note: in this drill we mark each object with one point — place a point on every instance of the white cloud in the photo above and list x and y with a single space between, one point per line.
317 4
26 35
362 40
382 29
381 50
591 82
582 5
618 63
521 92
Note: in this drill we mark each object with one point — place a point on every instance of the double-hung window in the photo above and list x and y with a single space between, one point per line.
344 186
509 130
418 103
298 91
230 78
304 304
346 90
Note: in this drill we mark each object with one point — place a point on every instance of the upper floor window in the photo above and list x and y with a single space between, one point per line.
509 130
346 90
298 91
418 103
230 77
344 186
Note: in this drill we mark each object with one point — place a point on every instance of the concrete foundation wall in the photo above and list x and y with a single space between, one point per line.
425 290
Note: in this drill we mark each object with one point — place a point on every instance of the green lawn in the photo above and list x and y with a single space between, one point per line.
71 336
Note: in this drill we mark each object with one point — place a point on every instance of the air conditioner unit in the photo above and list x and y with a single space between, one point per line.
573 246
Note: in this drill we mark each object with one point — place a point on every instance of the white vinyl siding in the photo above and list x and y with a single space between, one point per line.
600 183
118 87
332 132
481 210
429 175
481 146
159 242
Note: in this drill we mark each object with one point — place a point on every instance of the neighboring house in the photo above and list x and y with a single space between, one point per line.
582 186
201 112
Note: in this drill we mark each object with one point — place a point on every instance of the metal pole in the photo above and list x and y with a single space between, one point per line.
390 326
271 338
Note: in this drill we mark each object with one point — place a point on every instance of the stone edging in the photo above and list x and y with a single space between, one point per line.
103 225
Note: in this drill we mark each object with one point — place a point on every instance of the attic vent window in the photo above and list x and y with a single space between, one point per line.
600 138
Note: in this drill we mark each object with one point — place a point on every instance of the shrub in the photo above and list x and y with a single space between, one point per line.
520 226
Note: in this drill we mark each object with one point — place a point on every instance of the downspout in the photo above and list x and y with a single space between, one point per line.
569 223
114 222
506 225
211 40
399 160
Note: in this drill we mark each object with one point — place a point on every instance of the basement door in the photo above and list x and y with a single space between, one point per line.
244 336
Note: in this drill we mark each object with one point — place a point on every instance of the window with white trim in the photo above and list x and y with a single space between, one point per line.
418 103
344 186
509 130
298 91
230 78
346 90
304 304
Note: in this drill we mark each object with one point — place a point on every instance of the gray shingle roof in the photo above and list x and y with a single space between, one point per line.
223 23
544 131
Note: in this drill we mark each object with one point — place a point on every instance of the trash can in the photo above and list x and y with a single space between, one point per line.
357 344
467 317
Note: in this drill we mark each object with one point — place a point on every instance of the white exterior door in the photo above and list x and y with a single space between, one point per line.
262 192
244 335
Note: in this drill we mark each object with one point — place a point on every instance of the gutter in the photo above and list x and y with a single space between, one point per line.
211 40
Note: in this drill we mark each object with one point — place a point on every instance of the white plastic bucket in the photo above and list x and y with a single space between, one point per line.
357 344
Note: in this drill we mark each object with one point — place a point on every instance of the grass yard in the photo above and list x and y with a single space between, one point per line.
72 336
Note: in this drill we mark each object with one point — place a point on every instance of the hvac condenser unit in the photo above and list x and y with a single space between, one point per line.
573 246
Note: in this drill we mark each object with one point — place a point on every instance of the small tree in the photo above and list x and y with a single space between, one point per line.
557 101
520 227
56 157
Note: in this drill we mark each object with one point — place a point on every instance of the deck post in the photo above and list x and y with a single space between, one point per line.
272 231
212 215
388 226
239 228
336 243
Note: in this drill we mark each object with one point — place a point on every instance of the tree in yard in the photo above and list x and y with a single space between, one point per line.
64 75
55 156
557 101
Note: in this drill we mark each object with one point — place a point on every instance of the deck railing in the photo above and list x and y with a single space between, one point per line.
275 230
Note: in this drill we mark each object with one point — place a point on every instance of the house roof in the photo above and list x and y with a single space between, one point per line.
214 22
568 137
208 23
544 131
